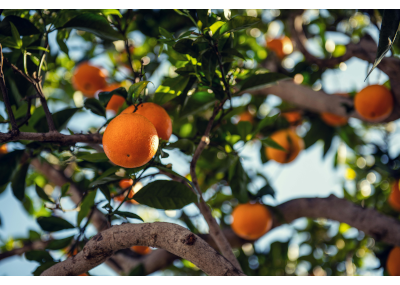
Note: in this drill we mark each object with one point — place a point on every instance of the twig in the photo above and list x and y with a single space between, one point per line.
129 56
54 137
4 91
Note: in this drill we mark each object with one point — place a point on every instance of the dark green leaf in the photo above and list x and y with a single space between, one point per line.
8 163
94 24
184 145
104 180
234 52
244 128
18 182
35 60
40 192
236 24
62 35
57 244
164 194
267 121
40 256
266 190
165 33
138 271
136 88
202 15
238 181
271 143
15 35
199 101
170 88
39 270
86 206
95 106
259 81
60 119
64 189
53 224
24 26
95 157
105 96
128 215
387 35
209 62
186 46
106 191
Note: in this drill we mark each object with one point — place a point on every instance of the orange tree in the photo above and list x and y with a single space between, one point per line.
214 57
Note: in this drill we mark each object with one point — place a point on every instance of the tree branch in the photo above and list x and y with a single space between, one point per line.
55 137
171 237
35 245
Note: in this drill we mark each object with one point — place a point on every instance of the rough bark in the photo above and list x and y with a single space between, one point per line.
171 237
55 137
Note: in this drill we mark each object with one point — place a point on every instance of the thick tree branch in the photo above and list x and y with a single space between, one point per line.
171 237
55 137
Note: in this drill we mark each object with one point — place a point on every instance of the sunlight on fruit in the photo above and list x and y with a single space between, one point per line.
350 174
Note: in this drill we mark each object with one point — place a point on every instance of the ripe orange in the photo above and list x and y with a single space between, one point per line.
333 120
75 252
88 79
251 221
393 262
125 183
156 115
290 141
3 149
130 140
281 46
293 118
394 197
143 250
374 103
116 101
246 117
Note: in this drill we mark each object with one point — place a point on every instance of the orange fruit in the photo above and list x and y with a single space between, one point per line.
393 262
333 120
246 117
88 79
374 103
143 250
3 149
125 183
116 101
130 140
281 46
290 141
394 197
84 274
156 115
251 221
293 118
75 252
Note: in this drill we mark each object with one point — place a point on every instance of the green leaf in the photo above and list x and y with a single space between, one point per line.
39 270
37 48
202 15
15 35
165 33
62 35
35 60
95 157
60 119
170 88
105 96
209 62
259 81
106 192
214 27
267 121
128 215
24 26
18 182
8 164
387 35
266 190
161 49
198 102
40 192
138 271
104 180
166 195
234 52
184 145
40 256
86 206
236 24
57 244
94 24
53 224
244 129
238 181
95 106
64 189
137 88
105 12
271 143
186 46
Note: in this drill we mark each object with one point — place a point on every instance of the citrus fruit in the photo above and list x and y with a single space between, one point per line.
3 149
251 221
116 101
333 120
293 118
393 262
88 79
281 46
290 141
125 183
246 117
394 197
143 250
374 103
156 115
130 140
84 274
